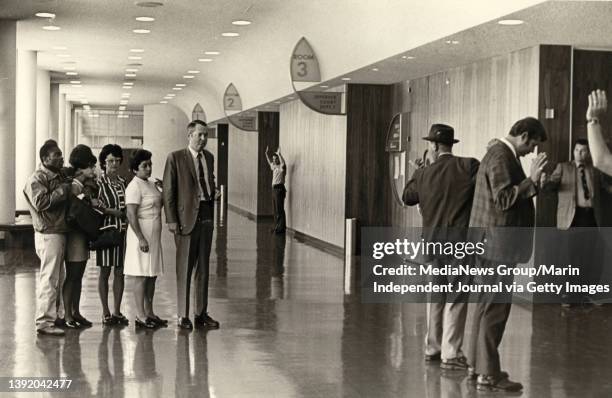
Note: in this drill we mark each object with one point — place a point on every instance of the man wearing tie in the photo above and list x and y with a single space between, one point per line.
189 192
579 188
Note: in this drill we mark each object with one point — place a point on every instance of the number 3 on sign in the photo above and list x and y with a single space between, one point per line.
303 71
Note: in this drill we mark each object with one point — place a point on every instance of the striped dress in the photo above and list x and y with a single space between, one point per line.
112 195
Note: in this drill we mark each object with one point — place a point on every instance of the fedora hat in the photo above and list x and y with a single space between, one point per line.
441 133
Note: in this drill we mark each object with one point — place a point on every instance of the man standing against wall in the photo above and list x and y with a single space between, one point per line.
444 190
189 192
279 171
503 217
47 194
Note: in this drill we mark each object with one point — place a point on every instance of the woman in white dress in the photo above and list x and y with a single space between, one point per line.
143 254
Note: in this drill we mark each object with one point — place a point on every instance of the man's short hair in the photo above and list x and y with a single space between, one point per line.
581 141
533 127
192 126
46 149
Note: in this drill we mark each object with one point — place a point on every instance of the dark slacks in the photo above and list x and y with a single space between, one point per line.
192 260
491 313
585 247
278 201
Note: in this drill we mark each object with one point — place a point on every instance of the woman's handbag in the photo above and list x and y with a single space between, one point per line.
110 237
83 218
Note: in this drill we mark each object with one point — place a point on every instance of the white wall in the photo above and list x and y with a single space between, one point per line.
242 169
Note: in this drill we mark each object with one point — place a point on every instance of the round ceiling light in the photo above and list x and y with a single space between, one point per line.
136 50
51 27
511 22
141 31
230 34
241 22
45 15
145 19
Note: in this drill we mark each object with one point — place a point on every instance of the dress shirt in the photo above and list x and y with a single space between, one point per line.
194 155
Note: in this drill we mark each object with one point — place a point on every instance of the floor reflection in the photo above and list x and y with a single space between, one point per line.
289 330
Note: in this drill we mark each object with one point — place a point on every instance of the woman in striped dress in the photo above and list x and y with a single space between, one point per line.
112 196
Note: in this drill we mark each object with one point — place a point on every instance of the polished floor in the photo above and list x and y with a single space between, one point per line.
287 330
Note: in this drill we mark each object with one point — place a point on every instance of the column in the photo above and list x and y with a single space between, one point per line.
25 122
54 111
8 66
43 104
61 123
68 133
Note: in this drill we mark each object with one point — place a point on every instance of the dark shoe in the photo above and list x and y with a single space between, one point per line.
497 383
59 322
159 322
433 357
473 376
51 331
120 319
206 321
147 323
184 323
109 320
82 321
458 363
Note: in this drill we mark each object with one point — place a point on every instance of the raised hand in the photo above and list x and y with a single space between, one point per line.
598 105
537 166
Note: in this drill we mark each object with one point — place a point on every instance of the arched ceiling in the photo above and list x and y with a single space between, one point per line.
349 37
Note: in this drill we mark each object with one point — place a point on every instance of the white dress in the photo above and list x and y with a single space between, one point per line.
149 199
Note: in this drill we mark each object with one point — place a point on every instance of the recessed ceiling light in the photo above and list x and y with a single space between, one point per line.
205 59
122 108
130 75
192 72
212 52
51 27
407 57
188 76
374 69
180 85
149 4
177 88
72 73
452 41
131 70
136 50
141 31
230 34
346 79
45 15
324 86
75 82
163 102
134 58
127 87
59 48
145 19
170 95
241 22
128 83
511 22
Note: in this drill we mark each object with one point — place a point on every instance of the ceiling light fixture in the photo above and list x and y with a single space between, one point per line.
130 75
192 72
346 79
324 86
134 58
141 31
407 57
212 52
136 50
45 15
128 83
72 73
452 41
511 22
230 34
163 102
180 85
149 4
75 82
241 22
51 27
205 60
177 88
131 70
188 77
170 95
127 87
145 19
374 69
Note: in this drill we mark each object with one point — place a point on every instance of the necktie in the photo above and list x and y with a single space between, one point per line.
201 178
583 180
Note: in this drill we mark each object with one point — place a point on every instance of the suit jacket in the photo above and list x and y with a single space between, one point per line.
180 188
503 198
444 190
563 180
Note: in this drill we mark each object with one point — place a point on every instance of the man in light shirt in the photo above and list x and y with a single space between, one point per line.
279 192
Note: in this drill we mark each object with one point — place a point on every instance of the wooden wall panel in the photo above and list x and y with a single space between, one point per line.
267 136
368 190
480 100
222 154
242 169
314 147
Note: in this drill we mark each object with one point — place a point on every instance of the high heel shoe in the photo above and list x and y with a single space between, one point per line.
158 321
82 320
147 324
72 325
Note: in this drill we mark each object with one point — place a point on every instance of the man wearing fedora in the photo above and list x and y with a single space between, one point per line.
444 190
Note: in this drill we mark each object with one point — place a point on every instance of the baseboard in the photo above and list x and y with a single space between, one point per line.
322 245
248 214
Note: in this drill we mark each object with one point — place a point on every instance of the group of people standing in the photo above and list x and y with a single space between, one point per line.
464 199
131 215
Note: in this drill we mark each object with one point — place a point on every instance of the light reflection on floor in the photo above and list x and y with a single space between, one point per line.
287 330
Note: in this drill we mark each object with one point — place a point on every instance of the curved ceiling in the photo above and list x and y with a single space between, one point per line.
349 36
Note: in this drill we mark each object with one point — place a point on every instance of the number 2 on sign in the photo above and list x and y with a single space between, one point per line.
303 71
230 102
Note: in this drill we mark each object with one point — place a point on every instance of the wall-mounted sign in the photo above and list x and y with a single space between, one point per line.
232 106
397 146
304 70
198 113
394 136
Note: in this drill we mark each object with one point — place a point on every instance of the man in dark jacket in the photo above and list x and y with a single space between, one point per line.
444 190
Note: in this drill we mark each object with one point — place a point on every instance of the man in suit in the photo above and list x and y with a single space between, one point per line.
502 217
444 190
579 188
189 192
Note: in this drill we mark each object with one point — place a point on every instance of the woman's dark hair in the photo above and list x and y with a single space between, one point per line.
109 149
81 157
137 157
